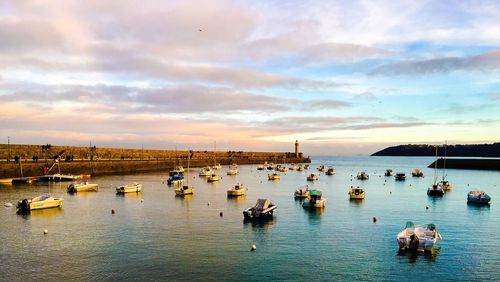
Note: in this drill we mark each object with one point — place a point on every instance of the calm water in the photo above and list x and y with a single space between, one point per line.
172 238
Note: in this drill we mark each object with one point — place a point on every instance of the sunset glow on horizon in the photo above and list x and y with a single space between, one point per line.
341 77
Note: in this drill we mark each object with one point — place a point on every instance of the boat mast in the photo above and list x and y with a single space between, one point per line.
187 172
435 166
444 159
215 148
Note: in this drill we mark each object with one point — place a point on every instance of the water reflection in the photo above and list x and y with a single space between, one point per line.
356 202
478 207
43 213
314 215
412 255
260 224
128 195
236 200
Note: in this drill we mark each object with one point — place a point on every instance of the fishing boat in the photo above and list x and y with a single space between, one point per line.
417 173
478 197
175 179
273 176
330 171
435 190
129 188
321 168
236 190
213 177
362 176
178 170
233 170
58 177
184 190
206 171
302 192
315 200
38 203
82 187
312 177
400 176
388 172
421 238
356 193
446 185
263 209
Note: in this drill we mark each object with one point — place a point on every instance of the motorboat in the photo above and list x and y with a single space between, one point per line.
356 193
175 179
312 177
82 187
178 170
262 166
421 238
302 192
129 188
417 173
58 177
306 166
273 176
478 197
271 166
206 171
217 166
388 172
184 190
38 203
435 191
236 190
315 200
233 170
300 168
400 176
213 177
263 209
321 168
445 185
362 176
330 171
294 167
281 168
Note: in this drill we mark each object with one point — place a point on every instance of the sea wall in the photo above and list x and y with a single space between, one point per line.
28 160
481 164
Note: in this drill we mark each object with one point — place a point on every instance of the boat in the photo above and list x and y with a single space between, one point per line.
315 200
129 188
306 166
217 166
175 179
294 167
283 169
178 170
435 190
184 190
362 176
356 193
236 190
388 172
261 167
82 187
302 192
300 168
446 185
263 209
58 177
24 180
400 176
330 171
312 177
478 197
213 177
38 203
321 168
417 173
233 170
273 176
421 238
206 171
271 166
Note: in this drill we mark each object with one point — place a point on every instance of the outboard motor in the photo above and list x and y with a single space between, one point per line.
23 206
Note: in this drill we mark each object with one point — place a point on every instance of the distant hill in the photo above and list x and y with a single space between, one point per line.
474 150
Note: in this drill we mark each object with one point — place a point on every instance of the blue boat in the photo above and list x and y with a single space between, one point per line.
478 197
175 179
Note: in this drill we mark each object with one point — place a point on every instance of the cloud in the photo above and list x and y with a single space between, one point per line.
22 35
486 62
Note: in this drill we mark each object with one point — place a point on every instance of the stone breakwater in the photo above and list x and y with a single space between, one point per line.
29 160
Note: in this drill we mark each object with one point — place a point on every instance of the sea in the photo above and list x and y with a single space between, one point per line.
154 235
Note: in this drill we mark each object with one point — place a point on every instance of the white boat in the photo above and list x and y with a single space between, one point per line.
38 203
217 166
129 188
213 177
421 238
82 187
263 209
330 171
417 173
294 167
362 176
302 192
315 200
236 190
206 171
388 172
312 177
261 167
178 170
233 170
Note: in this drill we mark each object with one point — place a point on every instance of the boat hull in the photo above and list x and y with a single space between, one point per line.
129 189
235 193
314 204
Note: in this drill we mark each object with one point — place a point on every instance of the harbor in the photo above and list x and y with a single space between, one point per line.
154 235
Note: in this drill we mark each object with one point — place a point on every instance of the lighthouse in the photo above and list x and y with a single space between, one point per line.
297 148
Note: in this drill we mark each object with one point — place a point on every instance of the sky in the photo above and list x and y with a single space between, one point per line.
342 77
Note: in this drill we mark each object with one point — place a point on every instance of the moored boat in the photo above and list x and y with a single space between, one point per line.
273 176
312 177
302 192
435 191
263 209
38 203
175 179
478 197
421 238
417 173
445 185
206 171
400 176
356 193
388 172
362 176
315 200
178 170
217 166
236 190
129 188
184 190
58 177
321 168
82 187
330 171
213 177
233 170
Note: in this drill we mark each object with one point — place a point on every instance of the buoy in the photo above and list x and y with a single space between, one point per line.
142 200
374 219
45 232
390 192
426 207
208 204
253 248
8 205
112 211
221 214
410 185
